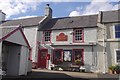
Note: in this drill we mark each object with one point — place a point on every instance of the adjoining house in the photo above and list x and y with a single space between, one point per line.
15 51
30 27
108 36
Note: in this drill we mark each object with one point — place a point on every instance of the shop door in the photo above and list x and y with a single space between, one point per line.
42 58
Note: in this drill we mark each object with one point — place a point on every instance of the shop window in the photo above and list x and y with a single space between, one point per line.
117 31
78 35
58 57
78 57
118 56
67 55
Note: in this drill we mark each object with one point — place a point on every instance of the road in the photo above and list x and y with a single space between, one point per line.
38 74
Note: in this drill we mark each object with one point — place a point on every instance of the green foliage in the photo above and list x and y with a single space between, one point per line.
114 67
78 62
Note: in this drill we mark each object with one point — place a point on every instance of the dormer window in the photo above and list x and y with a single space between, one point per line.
78 35
117 31
47 36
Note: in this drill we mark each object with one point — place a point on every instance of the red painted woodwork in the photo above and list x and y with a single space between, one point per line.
57 58
81 51
42 58
61 37
48 56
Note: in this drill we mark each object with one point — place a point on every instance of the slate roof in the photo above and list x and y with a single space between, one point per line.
25 22
111 16
6 30
71 22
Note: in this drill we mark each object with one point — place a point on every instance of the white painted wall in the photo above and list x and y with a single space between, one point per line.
29 68
31 35
17 38
23 61
90 35
57 32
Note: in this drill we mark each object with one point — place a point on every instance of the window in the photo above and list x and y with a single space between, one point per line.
78 35
58 57
67 55
46 36
117 31
118 55
78 56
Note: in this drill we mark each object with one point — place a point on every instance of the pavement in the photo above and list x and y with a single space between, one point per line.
50 74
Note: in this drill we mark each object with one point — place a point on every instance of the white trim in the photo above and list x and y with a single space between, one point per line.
114 31
116 55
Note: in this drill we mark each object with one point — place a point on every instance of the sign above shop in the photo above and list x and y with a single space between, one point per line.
61 37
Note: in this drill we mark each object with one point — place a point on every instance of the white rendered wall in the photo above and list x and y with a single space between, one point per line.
23 61
31 35
16 38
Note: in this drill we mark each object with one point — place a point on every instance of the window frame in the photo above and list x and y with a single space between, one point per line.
55 53
73 56
116 55
43 37
78 41
116 31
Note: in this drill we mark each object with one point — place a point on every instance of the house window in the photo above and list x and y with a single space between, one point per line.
78 56
118 55
78 35
47 36
117 31
67 55
58 57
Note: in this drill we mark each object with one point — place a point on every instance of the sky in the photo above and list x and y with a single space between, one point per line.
18 9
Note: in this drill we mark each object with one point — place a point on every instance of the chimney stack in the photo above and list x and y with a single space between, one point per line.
2 16
48 11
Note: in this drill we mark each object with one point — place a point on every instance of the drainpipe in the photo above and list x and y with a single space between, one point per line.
100 17
104 50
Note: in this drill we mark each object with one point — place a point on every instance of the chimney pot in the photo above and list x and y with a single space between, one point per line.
47 4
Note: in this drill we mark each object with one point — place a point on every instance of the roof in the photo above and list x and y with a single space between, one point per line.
24 22
111 16
8 31
71 22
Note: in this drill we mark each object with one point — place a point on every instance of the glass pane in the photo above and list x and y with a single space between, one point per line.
78 57
67 55
117 27
118 56
117 34
43 55
58 59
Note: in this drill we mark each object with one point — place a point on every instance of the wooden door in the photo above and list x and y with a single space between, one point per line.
42 58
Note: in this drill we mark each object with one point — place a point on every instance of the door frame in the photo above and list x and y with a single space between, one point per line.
39 52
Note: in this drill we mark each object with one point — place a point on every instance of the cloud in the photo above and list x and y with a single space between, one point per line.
94 7
25 17
14 7
74 13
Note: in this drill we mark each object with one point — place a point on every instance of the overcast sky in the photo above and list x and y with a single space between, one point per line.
17 9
